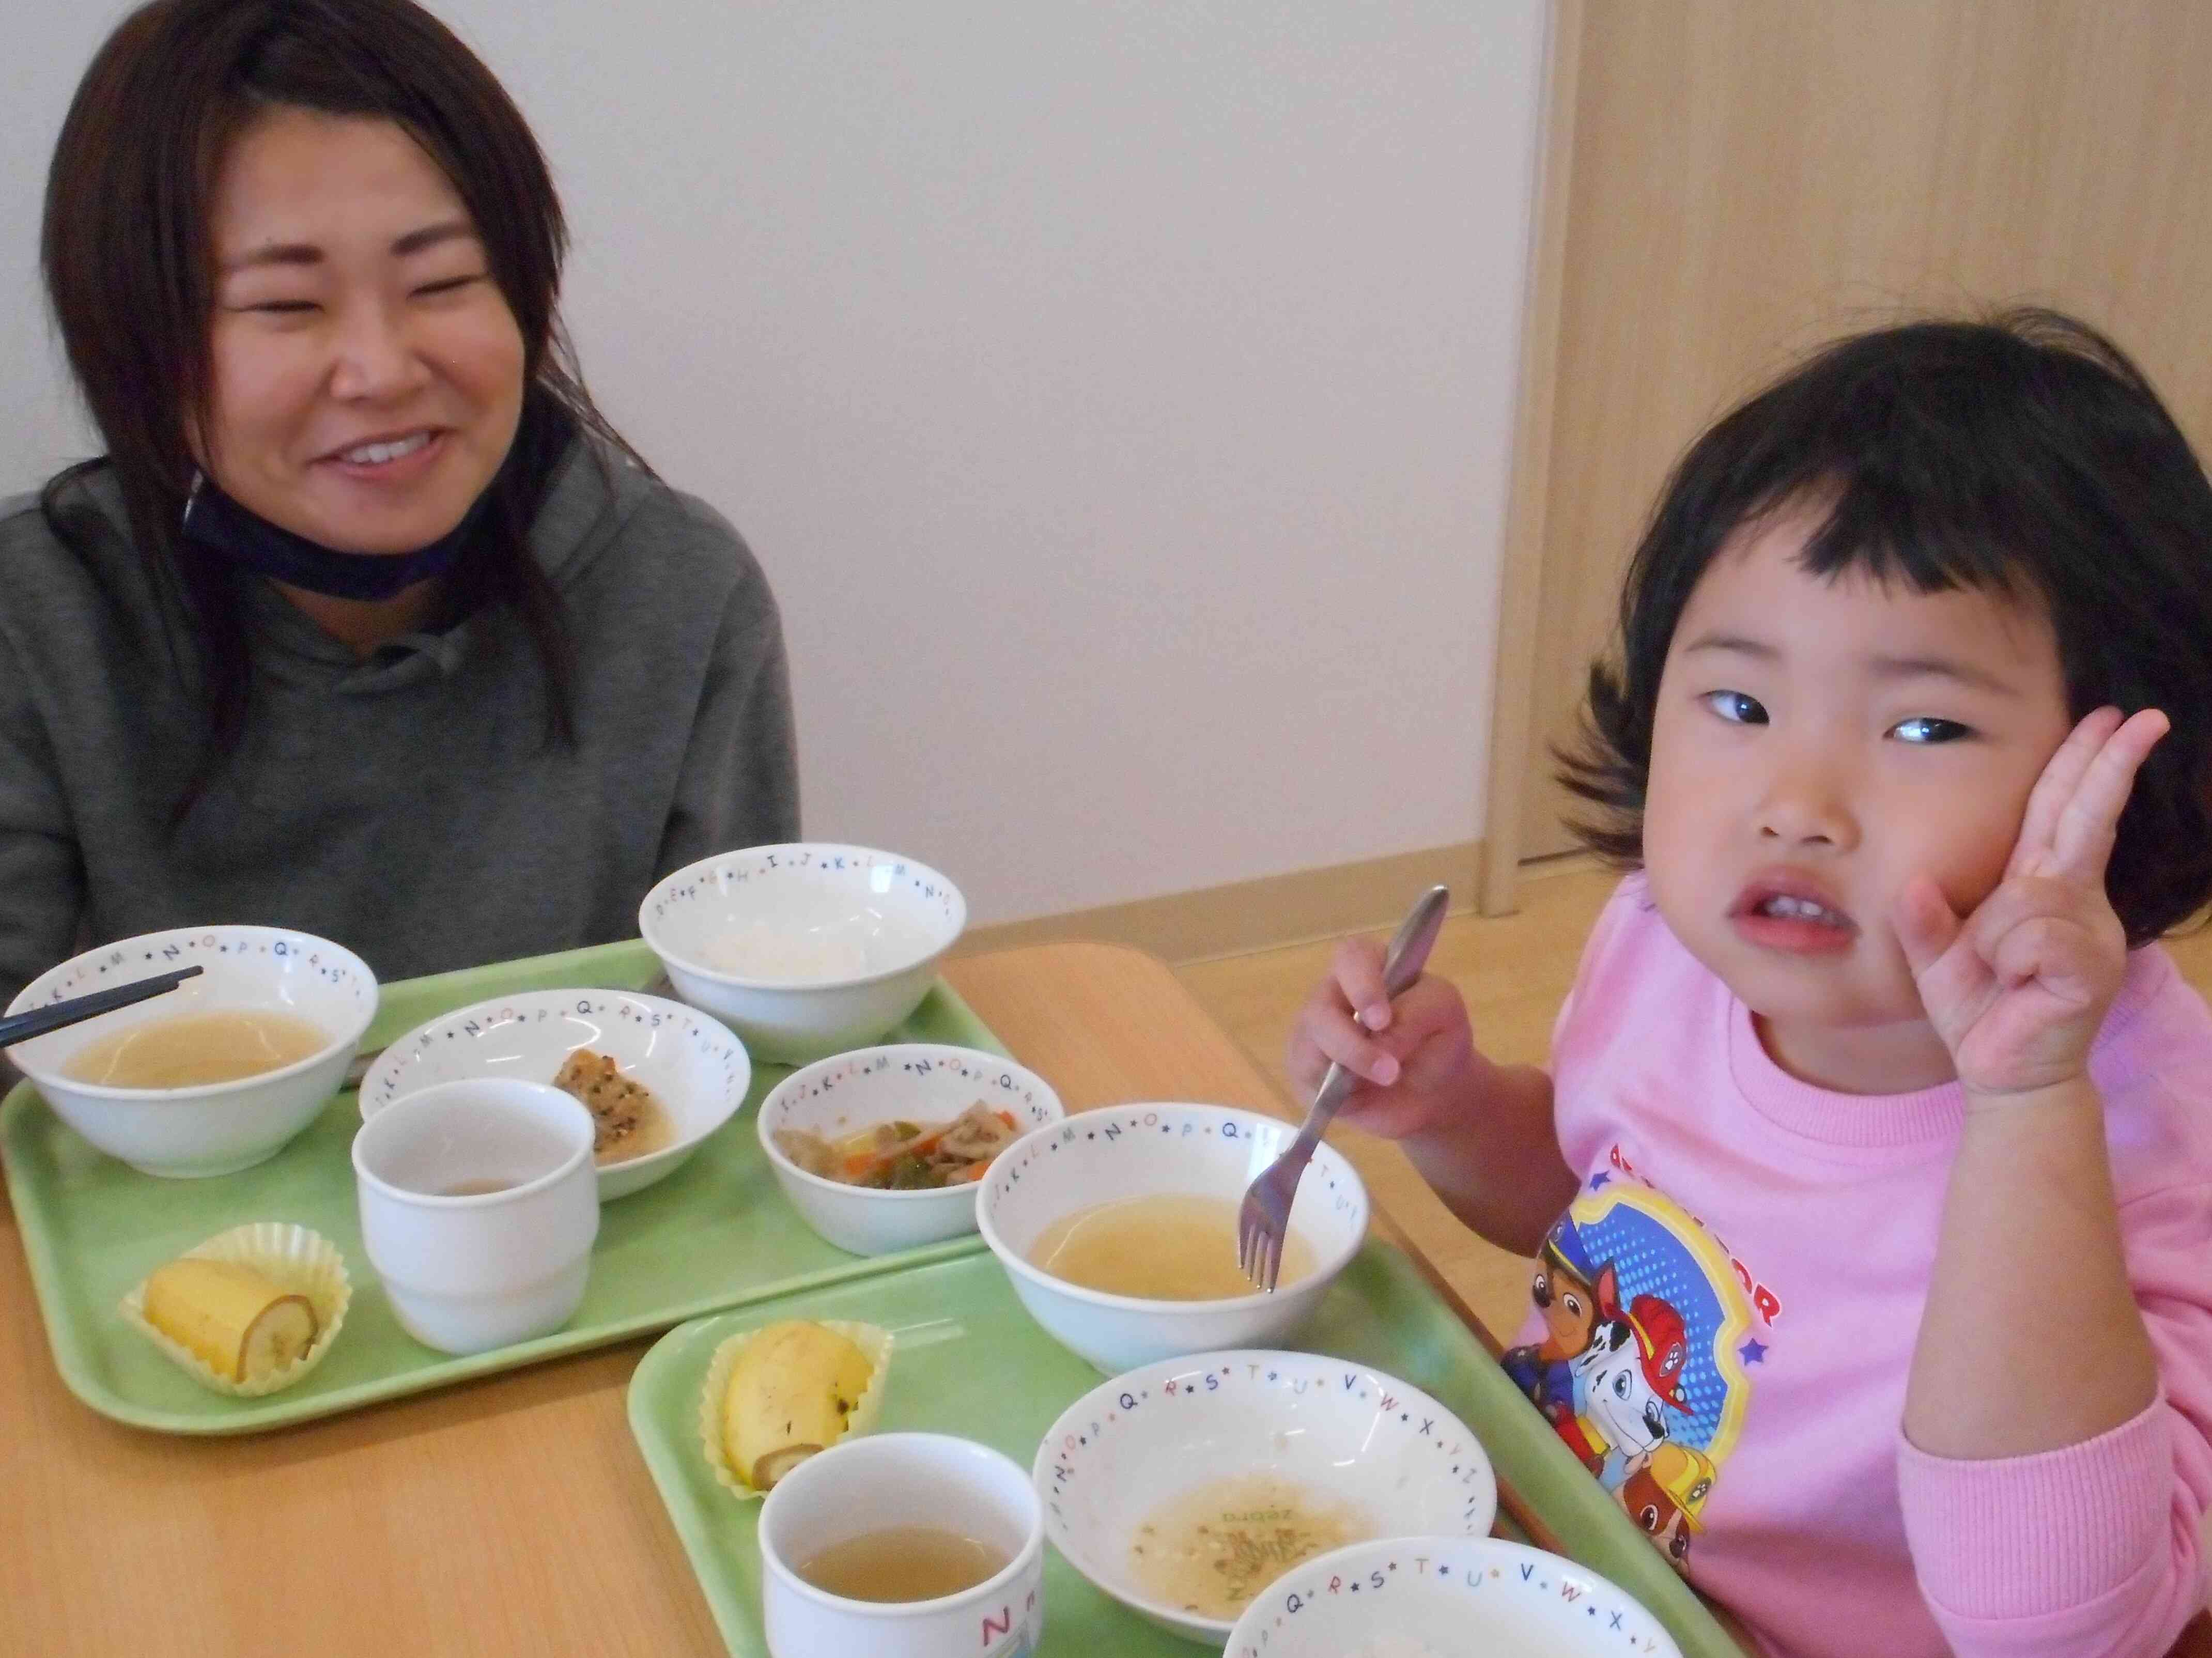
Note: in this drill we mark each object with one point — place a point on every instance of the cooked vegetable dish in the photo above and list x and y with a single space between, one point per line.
904 1155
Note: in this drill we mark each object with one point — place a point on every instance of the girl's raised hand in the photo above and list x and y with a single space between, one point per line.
1414 1057
2018 989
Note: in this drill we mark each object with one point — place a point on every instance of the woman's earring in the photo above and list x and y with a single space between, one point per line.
191 497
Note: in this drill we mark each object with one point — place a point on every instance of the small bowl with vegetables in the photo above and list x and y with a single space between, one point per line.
883 1148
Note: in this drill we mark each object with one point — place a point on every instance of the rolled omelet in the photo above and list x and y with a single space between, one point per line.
240 1324
792 1393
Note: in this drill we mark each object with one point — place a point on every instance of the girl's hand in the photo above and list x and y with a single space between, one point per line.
1415 1057
2018 989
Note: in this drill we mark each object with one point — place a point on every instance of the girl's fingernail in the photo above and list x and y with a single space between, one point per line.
1386 1071
1376 1016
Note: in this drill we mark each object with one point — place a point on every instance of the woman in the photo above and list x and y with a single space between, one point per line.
367 622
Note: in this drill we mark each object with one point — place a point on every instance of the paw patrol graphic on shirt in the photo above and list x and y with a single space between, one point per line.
1664 1493
1566 1293
1642 1367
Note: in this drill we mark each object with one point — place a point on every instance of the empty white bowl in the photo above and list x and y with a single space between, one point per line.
1429 1597
1348 1436
919 1082
1138 1150
805 949
214 1128
697 1070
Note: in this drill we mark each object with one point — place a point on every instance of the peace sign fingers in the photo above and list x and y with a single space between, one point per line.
2062 777
2018 991
2073 812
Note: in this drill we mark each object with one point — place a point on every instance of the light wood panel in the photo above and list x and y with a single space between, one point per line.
1515 674
1751 178
1241 916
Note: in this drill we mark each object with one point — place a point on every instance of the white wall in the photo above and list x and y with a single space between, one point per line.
1118 394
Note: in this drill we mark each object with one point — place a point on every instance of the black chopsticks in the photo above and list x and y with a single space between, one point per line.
36 1022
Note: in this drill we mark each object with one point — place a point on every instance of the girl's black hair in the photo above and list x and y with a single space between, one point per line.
2025 456
129 272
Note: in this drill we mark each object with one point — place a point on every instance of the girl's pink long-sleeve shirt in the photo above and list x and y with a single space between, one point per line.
1726 1320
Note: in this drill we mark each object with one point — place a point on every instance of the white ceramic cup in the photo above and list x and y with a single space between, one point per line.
469 1272
885 1480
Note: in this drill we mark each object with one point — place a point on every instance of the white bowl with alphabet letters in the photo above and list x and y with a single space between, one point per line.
195 1130
1125 1151
804 950
919 1082
1425 1597
1185 1489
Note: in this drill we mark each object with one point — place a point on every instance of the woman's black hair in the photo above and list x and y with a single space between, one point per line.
2025 456
129 272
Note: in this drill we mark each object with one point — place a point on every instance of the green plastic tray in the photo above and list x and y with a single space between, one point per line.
968 1360
717 1233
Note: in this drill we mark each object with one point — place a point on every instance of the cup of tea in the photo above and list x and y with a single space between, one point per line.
479 1204
903 1545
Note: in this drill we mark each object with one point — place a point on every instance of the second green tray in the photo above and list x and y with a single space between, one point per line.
716 1233
967 1360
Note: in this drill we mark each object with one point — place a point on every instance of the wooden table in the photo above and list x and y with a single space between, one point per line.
510 1515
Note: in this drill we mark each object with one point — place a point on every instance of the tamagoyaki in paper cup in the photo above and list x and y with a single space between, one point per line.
297 1261
872 1341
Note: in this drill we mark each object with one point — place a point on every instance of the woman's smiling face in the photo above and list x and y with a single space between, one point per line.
368 372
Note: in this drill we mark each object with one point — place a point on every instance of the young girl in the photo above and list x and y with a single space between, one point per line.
1871 1183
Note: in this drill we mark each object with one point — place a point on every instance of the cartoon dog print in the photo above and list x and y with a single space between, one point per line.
1629 1378
1568 1299
1665 1493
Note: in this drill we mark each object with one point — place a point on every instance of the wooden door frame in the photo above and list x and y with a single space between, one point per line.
1513 685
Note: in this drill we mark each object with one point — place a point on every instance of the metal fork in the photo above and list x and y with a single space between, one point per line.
1264 1218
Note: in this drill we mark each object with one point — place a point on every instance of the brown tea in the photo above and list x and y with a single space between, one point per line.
476 1188
903 1563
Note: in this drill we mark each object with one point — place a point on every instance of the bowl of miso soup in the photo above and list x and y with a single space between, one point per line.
1118 1228
216 1075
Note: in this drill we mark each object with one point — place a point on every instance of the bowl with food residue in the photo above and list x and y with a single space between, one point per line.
1118 1227
805 949
657 1077
212 1077
1435 1597
1185 1489
885 1148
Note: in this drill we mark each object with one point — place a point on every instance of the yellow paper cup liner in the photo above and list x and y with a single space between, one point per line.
874 1341
297 1261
